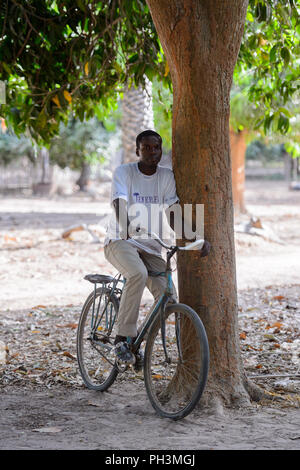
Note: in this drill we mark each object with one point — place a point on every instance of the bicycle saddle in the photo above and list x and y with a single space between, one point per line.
98 278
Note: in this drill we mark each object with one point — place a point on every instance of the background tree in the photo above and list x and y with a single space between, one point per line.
78 145
269 54
137 116
12 147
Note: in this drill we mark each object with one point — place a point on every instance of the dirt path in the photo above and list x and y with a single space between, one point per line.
81 419
43 403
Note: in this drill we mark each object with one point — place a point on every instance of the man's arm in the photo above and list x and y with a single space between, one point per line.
120 206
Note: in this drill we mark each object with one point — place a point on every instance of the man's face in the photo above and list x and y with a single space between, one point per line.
150 151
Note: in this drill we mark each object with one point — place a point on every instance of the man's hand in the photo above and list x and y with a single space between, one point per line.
205 249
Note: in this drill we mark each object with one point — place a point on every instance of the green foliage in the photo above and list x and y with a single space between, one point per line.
56 56
269 57
76 55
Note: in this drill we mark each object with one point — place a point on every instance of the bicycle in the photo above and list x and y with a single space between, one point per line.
176 359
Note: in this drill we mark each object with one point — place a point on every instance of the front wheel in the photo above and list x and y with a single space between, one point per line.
175 375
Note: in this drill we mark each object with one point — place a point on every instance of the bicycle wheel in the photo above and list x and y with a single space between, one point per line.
95 339
175 382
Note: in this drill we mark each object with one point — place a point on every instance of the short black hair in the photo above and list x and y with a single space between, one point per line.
146 133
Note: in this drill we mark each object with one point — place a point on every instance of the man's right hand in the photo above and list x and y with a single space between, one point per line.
205 249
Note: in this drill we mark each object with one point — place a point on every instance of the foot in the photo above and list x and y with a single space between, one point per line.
123 353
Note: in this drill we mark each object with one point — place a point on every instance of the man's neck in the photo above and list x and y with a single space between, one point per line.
147 170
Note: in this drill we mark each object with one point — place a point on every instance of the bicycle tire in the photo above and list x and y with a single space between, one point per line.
96 364
175 388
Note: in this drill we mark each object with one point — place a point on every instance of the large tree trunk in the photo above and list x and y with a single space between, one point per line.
238 154
201 40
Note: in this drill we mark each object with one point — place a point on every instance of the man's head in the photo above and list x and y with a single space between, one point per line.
148 148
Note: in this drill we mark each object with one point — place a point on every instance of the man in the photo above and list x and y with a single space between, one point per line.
144 185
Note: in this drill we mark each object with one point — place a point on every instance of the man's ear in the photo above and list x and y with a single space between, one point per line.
137 151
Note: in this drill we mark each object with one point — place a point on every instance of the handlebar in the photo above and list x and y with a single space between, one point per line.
197 244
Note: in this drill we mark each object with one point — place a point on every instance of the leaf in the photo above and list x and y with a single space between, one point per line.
69 355
67 96
56 101
285 54
273 53
243 335
51 429
68 325
86 68
278 297
277 324
270 337
167 70
283 123
7 238
41 119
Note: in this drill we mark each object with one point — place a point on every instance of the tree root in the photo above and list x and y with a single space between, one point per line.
258 394
217 399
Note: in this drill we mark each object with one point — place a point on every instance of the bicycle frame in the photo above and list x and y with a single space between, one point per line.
95 323
159 306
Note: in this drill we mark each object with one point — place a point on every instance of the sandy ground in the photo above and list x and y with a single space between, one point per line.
43 402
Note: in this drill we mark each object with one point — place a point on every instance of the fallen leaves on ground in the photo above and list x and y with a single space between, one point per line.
270 338
40 343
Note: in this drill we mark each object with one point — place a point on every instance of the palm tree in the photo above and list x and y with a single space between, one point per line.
137 116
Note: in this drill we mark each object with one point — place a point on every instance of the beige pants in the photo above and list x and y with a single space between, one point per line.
134 265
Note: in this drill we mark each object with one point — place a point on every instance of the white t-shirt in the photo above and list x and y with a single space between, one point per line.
147 198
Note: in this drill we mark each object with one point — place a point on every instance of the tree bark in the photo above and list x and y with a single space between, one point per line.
238 153
201 40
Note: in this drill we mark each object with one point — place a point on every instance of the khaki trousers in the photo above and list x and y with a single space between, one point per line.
134 265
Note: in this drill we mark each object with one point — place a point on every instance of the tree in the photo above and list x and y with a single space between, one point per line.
78 145
12 147
269 54
137 116
201 42
243 115
265 88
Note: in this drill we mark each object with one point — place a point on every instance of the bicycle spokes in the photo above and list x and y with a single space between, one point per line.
95 339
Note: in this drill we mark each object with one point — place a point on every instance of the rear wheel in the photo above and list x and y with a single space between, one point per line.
95 339
175 381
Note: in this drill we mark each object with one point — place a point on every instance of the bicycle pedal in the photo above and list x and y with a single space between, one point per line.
121 366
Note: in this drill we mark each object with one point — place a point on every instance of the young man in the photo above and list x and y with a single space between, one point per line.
138 185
